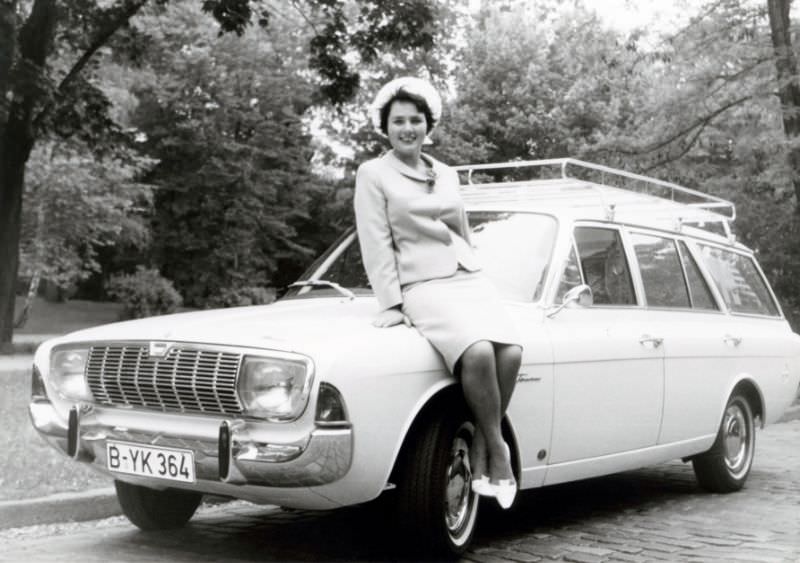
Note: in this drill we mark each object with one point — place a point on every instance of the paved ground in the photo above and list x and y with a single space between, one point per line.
656 514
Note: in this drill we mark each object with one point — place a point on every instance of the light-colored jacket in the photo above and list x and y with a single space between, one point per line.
408 230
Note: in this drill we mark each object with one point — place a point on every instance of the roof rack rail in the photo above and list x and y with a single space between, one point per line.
693 198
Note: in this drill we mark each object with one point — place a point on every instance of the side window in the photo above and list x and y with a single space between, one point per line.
571 277
662 273
699 291
739 281
604 265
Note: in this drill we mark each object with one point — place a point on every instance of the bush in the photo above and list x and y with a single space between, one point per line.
145 293
242 296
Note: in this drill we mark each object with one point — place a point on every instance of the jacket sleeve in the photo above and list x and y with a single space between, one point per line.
375 238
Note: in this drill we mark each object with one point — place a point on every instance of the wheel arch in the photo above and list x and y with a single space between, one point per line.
748 387
444 398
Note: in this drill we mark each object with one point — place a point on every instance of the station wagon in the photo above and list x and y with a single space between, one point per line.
649 334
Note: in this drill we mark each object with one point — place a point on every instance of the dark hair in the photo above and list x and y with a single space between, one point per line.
403 96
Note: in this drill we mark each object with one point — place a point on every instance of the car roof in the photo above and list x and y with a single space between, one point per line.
635 201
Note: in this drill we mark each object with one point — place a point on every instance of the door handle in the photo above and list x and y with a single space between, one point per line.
732 340
651 341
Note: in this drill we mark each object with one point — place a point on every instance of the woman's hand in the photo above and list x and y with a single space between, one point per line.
391 317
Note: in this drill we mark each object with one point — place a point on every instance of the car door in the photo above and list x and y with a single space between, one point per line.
608 364
515 251
683 310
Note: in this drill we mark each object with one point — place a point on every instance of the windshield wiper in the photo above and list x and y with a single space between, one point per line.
325 283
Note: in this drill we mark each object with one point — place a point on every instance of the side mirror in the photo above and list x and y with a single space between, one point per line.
580 295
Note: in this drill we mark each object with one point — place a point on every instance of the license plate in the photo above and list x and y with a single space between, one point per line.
150 461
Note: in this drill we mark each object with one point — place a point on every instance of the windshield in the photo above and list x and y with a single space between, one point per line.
514 250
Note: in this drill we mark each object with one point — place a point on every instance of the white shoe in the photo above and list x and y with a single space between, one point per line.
505 491
482 486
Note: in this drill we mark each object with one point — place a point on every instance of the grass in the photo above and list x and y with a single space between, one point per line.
49 318
60 318
29 467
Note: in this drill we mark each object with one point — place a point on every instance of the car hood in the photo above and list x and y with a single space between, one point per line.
329 330
308 326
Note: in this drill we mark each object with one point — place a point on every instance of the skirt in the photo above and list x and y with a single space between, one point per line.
455 312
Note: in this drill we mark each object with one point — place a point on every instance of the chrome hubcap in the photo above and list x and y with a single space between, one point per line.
737 438
460 502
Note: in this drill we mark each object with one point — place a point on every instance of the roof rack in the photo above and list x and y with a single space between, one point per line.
673 192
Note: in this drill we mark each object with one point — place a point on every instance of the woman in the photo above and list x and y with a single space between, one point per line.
414 239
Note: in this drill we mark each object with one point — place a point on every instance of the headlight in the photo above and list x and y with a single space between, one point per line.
67 369
274 388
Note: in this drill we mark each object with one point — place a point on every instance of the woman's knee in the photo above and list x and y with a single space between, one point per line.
478 357
509 355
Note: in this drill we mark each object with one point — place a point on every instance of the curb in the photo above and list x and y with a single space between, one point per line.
62 507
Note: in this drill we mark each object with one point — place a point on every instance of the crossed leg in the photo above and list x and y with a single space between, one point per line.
488 375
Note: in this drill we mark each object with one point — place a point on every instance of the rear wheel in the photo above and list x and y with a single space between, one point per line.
725 467
436 507
150 509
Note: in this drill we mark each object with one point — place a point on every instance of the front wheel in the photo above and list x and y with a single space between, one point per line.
725 467
436 507
150 509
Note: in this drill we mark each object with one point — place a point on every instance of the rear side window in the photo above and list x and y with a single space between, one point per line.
605 267
736 276
662 273
699 292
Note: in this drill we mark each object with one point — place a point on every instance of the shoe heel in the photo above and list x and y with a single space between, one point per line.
482 486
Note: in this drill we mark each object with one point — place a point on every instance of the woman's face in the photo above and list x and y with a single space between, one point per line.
406 128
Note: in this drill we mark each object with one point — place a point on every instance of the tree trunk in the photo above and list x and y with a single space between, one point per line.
8 51
27 307
788 85
16 141
12 170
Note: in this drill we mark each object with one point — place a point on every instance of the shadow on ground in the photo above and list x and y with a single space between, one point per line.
366 532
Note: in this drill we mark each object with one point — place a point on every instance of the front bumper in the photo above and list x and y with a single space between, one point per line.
231 451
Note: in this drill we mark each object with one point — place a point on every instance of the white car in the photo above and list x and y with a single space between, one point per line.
649 334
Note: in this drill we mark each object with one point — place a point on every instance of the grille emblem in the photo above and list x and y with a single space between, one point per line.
159 349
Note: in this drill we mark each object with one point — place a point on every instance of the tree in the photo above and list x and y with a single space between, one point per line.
37 97
535 82
710 105
788 84
76 203
716 110
223 118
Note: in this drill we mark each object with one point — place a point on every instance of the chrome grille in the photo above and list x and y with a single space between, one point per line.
185 380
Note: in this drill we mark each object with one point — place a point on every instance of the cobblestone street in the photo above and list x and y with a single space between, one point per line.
653 514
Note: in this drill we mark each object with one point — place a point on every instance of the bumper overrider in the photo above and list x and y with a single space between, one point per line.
233 451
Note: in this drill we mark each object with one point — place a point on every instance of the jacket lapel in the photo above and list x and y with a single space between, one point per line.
405 169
